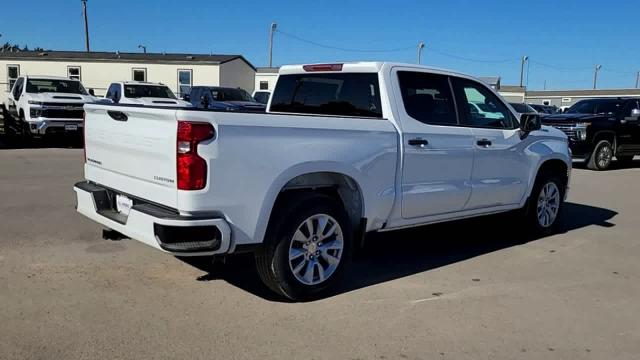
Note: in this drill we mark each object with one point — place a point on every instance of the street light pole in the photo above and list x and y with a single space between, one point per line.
420 48
638 80
86 24
144 48
272 30
522 62
595 76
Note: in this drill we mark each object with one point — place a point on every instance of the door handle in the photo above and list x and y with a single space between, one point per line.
484 142
118 115
418 142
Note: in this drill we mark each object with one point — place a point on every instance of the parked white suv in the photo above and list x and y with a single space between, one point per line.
343 150
42 105
143 93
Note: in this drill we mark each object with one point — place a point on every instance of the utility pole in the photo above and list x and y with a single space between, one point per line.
86 24
638 80
522 62
595 76
420 48
272 30
144 48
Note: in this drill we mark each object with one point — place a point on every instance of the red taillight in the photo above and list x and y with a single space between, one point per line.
191 169
322 67
84 135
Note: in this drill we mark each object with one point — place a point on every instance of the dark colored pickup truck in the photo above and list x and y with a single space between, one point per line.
599 129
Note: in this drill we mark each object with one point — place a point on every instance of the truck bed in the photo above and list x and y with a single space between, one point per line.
251 157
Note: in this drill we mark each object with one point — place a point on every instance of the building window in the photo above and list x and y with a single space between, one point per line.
13 73
139 74
264 85
185 80
74 73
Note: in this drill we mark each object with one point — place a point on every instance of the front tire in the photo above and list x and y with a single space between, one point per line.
601 156
545 204
307 247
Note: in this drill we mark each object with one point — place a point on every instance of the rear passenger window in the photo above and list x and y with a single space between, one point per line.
354 94
427 97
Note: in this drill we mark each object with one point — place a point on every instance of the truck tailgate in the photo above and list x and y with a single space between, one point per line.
132 150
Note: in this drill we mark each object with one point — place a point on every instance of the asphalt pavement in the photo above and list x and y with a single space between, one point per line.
476 289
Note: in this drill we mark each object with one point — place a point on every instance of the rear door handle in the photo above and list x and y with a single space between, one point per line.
484 142
418 142
118 115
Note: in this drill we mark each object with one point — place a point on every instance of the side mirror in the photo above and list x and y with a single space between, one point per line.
91 92
635 113
530 122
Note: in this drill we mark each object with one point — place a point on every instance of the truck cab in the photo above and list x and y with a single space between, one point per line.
44 105
600 129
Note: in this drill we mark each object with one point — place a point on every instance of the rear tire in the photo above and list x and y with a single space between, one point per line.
601 156
545 204
307 248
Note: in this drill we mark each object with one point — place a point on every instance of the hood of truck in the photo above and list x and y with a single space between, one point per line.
51 97
238 105
152 101
574 118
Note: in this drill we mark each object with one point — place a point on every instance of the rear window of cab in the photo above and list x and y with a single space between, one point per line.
336 94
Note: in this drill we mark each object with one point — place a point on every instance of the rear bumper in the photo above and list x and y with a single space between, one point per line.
153 225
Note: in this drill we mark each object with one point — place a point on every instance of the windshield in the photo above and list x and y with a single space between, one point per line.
231 95
522 108
139 91
594 107
608 107
35 86
262 97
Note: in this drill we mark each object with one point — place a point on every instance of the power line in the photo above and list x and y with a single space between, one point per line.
344 49
487 61
560 68
446 54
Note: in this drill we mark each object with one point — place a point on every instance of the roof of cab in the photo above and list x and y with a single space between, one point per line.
142 83
47 77
367 66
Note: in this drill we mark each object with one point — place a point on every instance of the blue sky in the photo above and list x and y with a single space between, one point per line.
564 39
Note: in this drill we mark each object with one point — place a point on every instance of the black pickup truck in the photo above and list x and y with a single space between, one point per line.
599 129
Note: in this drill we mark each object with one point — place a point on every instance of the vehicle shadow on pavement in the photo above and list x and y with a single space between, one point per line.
393 255
615 165
7 143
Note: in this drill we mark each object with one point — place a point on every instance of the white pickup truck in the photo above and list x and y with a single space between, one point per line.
44 105
343 150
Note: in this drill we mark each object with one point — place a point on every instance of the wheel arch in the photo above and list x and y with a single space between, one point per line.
334 179
605 135
557 165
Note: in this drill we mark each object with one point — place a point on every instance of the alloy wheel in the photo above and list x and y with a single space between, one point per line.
548 204
605 154
316 249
